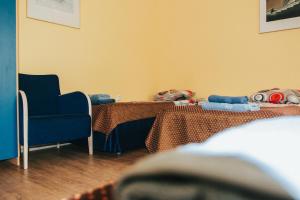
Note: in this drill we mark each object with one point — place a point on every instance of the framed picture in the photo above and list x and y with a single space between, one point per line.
278 15
65 12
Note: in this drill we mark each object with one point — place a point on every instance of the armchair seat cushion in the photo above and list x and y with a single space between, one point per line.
50 129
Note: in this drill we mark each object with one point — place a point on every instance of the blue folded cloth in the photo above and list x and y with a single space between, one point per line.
98 99
230 107
103 101
225 99
100 96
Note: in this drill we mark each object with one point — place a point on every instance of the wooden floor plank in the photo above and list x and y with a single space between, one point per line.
58 173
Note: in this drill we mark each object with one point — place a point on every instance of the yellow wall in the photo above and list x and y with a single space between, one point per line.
215 47
134 48
111 53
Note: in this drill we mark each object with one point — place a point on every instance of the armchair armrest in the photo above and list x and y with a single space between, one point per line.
23 126
23 116
75 103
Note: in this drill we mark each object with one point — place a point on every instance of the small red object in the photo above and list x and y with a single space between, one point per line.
276 97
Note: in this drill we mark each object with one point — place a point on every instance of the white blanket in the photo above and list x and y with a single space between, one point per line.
273 145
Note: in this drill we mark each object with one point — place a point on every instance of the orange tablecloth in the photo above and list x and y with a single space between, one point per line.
101 193
109 116
191 124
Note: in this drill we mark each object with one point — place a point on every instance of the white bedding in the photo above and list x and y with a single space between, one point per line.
273 145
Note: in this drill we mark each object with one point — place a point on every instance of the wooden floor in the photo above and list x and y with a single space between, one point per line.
56 174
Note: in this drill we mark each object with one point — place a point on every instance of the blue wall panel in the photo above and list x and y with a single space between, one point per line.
8 127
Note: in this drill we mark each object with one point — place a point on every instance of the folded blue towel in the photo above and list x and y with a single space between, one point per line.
100 96
97 99
225 99
102 101
230 107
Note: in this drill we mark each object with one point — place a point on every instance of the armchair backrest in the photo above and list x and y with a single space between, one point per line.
42 93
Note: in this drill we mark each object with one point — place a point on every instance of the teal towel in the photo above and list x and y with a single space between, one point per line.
97 99
230 107
227 99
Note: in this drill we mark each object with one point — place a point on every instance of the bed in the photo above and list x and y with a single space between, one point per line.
190 124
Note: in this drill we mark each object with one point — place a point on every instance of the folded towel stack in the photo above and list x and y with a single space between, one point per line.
227 103
174 95
226 99
98 99
230 107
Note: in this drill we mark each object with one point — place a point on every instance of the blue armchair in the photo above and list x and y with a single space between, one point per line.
47 117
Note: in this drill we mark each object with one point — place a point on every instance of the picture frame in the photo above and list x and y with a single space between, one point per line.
63 12
276 15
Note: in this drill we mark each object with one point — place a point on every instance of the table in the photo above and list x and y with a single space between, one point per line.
190 124
120 127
